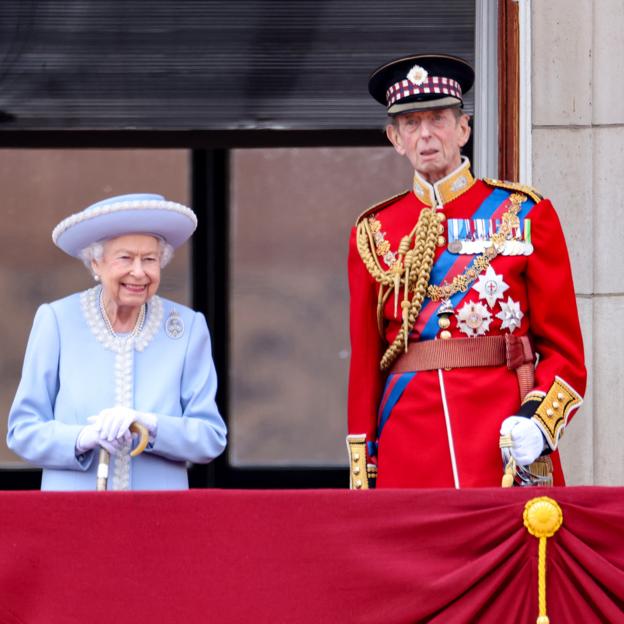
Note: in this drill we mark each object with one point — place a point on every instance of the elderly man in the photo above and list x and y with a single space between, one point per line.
459 287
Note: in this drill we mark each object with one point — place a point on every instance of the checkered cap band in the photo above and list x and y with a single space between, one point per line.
433 84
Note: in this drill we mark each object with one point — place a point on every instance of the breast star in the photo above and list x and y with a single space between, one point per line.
473 319
490 286
510 314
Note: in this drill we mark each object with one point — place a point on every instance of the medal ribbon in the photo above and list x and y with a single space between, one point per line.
448 265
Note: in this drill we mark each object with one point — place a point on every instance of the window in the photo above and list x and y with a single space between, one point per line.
272 279
291 213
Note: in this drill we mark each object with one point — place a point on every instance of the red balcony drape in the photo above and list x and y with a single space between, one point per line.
291 557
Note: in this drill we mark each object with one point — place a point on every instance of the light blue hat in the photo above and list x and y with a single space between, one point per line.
137 213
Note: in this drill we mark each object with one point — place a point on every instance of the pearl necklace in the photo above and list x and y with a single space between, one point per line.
89 302
138 326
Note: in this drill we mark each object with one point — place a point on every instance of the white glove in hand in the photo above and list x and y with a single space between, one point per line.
527 441
90 437
114 422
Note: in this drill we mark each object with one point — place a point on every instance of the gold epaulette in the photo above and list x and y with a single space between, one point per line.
515 186
380 205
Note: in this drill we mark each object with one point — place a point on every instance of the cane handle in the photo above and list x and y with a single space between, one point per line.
104 456
143 434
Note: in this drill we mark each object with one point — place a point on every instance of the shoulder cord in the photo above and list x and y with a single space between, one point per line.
412 270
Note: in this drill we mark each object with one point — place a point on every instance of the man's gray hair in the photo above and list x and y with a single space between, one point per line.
95 251
458 111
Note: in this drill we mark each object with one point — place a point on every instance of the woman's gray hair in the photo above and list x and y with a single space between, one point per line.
95 251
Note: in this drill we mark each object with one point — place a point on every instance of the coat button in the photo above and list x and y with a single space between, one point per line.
444 322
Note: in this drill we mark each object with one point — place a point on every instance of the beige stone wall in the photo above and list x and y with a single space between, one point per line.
578 161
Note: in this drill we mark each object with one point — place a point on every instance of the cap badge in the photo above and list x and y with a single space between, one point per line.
174 326
417 75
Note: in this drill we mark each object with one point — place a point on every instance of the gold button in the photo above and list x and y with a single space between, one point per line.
441 241
358 484
445 335
356 457
549 412
555 405
444 322
356 470
560 396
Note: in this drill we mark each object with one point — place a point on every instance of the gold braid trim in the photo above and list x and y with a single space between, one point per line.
412 271
366 243
515 186
379 205
420 262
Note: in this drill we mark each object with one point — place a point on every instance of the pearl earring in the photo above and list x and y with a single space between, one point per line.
96 277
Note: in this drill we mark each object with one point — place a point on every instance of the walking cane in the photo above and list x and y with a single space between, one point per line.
104 457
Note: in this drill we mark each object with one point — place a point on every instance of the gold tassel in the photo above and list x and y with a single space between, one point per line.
397 287
510 468
405 305
510 473
397 269
542 518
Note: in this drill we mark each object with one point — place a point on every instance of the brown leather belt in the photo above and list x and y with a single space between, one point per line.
515 352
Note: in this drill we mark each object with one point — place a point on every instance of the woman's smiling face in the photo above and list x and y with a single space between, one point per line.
129 269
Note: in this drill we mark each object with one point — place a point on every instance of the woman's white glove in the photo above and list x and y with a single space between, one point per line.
114 422
90 436
527 441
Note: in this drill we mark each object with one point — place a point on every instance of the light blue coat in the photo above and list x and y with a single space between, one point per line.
69 374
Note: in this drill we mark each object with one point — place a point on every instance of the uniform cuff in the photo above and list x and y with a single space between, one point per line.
551 411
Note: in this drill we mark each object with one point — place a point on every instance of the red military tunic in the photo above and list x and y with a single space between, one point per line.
440 428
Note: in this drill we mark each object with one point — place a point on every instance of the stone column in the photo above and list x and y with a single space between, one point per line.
578 161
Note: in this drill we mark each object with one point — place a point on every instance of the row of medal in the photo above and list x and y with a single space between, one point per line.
474 318
473 236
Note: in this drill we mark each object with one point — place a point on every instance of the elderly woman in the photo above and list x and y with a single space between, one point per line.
118 353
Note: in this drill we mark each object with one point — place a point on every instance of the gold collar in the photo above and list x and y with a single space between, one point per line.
446 189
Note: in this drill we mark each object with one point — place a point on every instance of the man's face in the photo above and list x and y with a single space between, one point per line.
431 140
